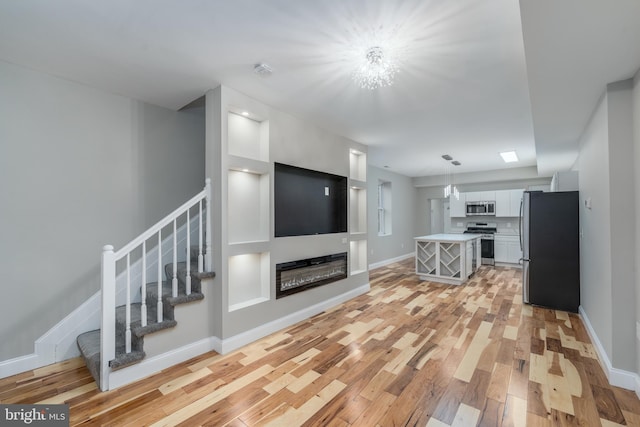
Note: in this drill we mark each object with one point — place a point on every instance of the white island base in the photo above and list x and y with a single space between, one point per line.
447 258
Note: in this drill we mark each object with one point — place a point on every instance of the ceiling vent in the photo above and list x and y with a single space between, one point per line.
263 70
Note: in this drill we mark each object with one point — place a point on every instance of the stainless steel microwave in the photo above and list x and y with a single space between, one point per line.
481 208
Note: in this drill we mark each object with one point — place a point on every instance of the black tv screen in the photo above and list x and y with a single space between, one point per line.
308 202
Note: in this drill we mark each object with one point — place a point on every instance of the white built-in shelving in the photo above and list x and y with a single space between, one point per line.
358 211
358 252
249 279
248 209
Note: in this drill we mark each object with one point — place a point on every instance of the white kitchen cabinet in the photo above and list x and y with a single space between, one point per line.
514 254
515 197
457 207
503 203
507 249
500 250
480 196
508 203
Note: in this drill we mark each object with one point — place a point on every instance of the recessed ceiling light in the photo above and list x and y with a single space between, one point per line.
456 163
245 113
509 156
447 157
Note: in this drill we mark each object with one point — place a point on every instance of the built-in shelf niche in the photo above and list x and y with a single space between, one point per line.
249 279
248 207
248 137
358 255
357 165
358 209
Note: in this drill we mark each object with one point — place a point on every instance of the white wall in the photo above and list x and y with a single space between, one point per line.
400 241
595 244
80 168
605 163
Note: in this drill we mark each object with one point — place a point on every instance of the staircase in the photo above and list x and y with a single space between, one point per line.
89 342
119 342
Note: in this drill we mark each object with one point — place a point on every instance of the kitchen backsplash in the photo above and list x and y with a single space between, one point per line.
505 225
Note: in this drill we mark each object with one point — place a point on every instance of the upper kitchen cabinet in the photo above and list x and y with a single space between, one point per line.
481 196
457 206
508 203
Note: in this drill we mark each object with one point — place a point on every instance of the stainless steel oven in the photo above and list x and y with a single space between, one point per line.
487 230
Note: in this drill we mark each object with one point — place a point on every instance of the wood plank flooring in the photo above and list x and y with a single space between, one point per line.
408 353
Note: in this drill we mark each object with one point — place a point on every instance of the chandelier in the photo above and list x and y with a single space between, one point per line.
376 70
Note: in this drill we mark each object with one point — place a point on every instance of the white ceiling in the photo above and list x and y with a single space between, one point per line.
462 89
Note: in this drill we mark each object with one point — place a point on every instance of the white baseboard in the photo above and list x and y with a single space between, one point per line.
252 335
617 377
391 260
20 364
155 364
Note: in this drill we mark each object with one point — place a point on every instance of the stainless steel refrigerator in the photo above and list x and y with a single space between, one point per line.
550 242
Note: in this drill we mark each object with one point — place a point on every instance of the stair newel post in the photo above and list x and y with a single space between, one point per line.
159 310
108 323
200 234
127 338
143 287
208 260
187 279
174 279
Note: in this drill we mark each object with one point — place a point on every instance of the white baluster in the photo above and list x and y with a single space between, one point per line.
174 280
200 239
188 273
108 323
143 288
208 222
127 338
159 276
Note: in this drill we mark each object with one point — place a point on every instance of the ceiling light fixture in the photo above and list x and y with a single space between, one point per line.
509 156
245 113
376 70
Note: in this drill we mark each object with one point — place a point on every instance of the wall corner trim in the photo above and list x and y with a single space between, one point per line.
617 377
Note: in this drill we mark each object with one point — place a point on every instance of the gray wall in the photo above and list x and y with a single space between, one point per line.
607 246
80 168
636 163
403 199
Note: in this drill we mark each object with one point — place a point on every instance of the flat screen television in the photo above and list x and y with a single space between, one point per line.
308 202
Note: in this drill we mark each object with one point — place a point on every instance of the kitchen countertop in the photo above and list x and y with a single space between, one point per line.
451 238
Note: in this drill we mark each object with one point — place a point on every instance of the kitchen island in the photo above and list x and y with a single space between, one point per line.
447 258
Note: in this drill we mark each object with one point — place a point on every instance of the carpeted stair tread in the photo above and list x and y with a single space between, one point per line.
89 346
167 292
137 330
123 359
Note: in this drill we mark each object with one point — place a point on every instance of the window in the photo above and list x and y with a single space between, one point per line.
384 208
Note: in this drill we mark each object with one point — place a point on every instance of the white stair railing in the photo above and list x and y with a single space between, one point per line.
109 272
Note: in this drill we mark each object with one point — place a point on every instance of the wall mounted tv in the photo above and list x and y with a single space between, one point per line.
308 202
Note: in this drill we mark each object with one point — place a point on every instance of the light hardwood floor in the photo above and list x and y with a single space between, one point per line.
408 353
